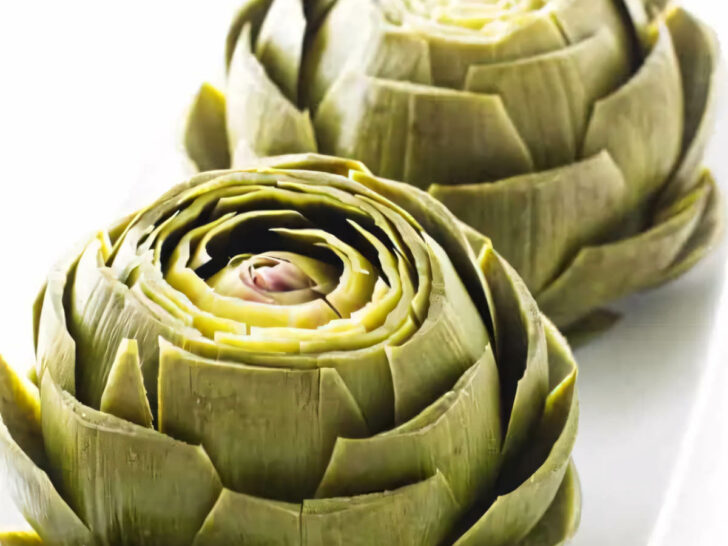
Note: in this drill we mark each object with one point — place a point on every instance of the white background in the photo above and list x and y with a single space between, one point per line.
91 91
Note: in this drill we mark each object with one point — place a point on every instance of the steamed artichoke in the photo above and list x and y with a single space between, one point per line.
571 132
298 354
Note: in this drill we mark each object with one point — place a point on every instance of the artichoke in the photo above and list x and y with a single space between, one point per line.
295 354
571 132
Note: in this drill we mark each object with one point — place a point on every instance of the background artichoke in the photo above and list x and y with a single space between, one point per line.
284 355
570 131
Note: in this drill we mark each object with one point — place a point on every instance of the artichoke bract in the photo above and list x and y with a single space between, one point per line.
571 132
296 354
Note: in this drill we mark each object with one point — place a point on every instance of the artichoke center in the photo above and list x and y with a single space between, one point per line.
278 278
273 275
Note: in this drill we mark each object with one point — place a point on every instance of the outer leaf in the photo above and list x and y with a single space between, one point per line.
641 124
420 134
549 97
26 483
442 226
578 20
90 450
604 273
124 394
252 521
251 12
206 139
315 162
561 520
705 236
453 54
368 377
539 221
520 349
450 340
20 411
102 312
698 54
330 48
510 518
279 46
269 432
260 119
20 539
415 514
394 54
636 9
56 349
459 434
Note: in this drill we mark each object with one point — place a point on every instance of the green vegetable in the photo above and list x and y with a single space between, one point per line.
295 354
570 132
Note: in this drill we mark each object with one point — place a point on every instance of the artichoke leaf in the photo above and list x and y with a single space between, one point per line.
368 377
458 135
279 45
250 12
103 312
243 519
521 343
459 434
259 116
37 310
562 389
549 97
637 12
698 53
439 224
421 513
579 20
705 236
20 412
561 520
56 349
624 266
420 134
20 539
21 456
89 449
452 54
641 124
206 139
313 162
450 340
330 49
124 395
539 221
394 54
316 10
364 118
509 519
268 431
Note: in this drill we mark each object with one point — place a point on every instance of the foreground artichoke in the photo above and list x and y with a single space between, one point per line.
571 132
283 355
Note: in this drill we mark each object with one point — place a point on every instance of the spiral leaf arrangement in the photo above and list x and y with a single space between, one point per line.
571 132
296 354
